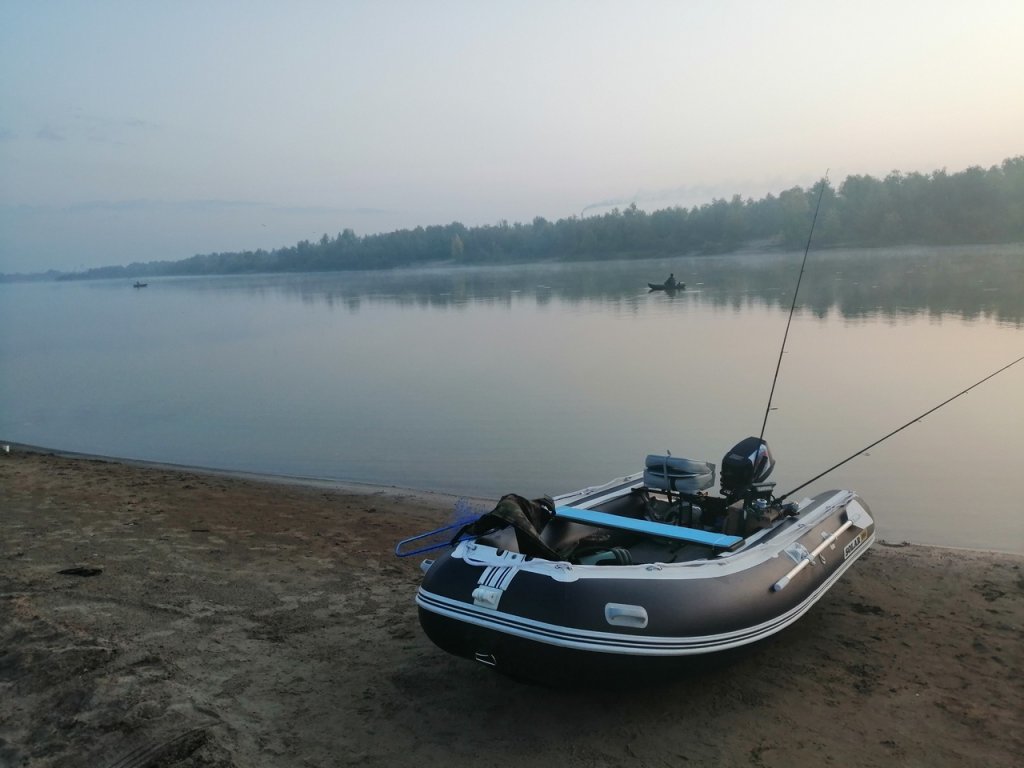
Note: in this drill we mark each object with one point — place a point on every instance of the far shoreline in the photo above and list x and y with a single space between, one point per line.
326 483
752 249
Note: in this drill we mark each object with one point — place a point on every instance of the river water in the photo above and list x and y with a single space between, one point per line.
546 378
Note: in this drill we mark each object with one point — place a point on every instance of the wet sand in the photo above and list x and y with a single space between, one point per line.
239 622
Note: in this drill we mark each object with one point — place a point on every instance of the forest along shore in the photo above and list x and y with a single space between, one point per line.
156 616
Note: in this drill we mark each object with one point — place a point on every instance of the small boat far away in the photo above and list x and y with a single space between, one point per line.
639 573
139 285
671 285
666 287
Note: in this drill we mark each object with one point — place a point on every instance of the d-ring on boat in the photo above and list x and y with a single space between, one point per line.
639 571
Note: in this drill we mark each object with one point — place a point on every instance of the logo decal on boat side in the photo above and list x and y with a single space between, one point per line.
854 543
500 576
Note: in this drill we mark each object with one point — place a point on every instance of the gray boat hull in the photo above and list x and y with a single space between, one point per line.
538 618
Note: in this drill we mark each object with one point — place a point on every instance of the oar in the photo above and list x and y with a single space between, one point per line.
854 517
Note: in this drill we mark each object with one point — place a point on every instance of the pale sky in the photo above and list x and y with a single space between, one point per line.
135 131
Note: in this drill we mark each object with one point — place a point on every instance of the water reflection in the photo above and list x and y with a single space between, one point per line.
968 282
541 379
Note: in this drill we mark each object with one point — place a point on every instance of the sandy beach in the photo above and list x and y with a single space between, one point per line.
153 616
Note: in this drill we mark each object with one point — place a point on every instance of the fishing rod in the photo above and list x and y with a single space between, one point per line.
900 429
785 336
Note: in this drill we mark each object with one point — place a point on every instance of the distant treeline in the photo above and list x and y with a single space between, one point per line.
971 206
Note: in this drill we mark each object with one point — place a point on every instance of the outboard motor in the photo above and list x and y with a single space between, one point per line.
748 464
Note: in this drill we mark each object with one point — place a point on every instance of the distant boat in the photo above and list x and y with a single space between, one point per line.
140 285
666 286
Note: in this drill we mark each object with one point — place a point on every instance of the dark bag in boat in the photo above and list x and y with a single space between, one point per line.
527 517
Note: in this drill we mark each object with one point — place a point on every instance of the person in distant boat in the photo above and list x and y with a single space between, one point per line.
671 282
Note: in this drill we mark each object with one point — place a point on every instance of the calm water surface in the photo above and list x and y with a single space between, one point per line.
543 379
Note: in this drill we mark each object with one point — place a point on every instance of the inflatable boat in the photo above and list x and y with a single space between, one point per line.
646 570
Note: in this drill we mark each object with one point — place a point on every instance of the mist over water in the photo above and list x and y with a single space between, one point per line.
545 378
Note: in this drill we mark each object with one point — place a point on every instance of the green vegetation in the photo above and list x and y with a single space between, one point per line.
972 206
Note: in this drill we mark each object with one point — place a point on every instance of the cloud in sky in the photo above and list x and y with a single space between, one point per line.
46 133
378 116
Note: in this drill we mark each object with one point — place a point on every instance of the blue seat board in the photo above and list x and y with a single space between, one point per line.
605 520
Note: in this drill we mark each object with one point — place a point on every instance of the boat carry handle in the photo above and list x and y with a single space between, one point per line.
621 614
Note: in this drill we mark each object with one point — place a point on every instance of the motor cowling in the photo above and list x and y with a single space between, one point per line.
747 463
